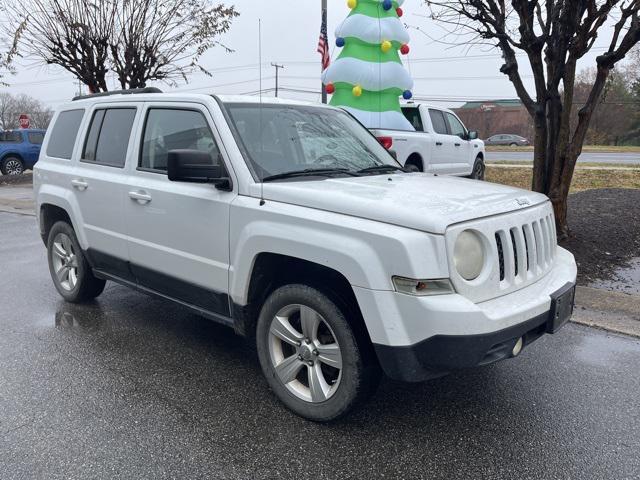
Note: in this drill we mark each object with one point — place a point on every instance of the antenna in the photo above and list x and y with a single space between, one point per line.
262 202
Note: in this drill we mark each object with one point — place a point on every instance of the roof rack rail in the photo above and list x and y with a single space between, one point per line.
132 91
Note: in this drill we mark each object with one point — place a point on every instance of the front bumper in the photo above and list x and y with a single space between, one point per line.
441 354
417 338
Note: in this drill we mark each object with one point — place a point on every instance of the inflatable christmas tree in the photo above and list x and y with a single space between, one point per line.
368 77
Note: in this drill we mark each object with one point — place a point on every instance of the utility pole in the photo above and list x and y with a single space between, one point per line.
323 16
277 67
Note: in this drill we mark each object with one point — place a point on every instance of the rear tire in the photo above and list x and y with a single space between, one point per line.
70 271
478 169
310 355
12 166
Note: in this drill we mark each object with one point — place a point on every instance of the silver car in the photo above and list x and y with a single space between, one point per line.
507 139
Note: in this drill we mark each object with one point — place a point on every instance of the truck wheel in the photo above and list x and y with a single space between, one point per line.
310 355
12 166
70 271
478 170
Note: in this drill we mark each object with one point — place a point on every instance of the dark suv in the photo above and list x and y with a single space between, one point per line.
19 150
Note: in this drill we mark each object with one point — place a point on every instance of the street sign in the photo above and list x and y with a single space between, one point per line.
24 121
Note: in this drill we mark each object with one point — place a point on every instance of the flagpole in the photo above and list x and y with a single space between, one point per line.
323 14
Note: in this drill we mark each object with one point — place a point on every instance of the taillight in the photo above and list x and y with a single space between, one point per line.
386 142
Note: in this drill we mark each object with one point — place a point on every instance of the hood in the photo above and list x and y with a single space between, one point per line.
419 201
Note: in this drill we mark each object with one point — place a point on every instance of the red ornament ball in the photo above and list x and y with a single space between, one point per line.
330 88
404 49
399 11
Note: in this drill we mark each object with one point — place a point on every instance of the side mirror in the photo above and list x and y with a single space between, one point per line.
473 135
195 166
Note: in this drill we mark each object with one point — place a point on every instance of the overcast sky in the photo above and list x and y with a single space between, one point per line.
290 30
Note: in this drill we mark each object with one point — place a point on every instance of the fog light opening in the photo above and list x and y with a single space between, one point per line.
517 348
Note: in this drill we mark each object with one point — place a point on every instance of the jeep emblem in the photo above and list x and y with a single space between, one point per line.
522 201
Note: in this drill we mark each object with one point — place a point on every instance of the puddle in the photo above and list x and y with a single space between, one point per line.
625 279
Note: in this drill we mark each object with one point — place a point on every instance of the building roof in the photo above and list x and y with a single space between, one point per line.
508 102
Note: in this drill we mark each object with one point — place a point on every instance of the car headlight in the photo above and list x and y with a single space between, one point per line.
468 255
422 288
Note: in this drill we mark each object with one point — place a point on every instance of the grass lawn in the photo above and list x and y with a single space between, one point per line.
582 179
585 149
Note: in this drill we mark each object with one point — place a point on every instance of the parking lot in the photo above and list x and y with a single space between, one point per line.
135 387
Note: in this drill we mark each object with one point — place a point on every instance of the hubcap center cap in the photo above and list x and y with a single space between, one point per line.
306 353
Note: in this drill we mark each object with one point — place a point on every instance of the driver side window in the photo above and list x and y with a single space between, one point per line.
169 129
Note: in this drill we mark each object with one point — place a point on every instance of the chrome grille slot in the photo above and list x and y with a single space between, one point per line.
500 256
515 252
526 247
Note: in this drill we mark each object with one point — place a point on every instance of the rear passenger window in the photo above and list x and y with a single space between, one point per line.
36 138
438 121
64 134
108 137
171 129
10 137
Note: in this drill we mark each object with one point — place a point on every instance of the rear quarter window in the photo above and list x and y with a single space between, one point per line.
64 134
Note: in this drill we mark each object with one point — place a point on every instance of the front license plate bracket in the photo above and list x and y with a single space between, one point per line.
562 304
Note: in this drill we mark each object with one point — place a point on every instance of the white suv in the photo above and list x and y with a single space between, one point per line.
290 223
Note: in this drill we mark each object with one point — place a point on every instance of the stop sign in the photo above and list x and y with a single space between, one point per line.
24 121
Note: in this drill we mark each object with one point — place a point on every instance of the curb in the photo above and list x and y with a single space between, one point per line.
611 311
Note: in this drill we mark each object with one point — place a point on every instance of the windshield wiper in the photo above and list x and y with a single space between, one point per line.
310 172
381 168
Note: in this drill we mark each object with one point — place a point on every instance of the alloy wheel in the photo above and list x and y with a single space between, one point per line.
13 167
305 353
65 262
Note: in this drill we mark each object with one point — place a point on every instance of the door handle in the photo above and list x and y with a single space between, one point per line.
438 144
457 144
141 197
79 184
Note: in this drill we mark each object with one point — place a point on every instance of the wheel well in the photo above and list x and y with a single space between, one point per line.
480 156
49 215
271 271
415 159
11 154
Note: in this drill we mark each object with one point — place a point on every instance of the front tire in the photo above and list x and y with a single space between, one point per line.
478 169
70 271
12 166
310 355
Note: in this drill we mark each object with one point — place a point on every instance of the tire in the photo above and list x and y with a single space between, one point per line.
70 271
332 342
478 169
12 166
513 144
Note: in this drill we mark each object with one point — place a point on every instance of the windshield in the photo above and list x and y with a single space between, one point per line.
278 139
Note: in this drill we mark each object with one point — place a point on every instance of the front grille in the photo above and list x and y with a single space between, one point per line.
526 250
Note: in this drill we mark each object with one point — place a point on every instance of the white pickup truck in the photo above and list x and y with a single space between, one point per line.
290 223
441 143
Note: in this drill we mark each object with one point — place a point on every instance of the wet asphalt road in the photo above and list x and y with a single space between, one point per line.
134 387
630 159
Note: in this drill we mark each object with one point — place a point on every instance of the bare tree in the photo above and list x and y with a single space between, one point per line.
165 40
73 34
553 35
139 40
12 106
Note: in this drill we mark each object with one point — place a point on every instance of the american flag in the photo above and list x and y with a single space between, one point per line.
323 43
